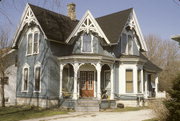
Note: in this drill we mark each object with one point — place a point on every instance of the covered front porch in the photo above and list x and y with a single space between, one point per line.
86 77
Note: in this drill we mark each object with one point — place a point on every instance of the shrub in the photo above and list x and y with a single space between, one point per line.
173 105
159 109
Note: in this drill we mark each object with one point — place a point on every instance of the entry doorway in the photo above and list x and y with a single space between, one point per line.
87 83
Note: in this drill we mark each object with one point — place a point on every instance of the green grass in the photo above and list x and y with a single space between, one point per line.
125 109
21 113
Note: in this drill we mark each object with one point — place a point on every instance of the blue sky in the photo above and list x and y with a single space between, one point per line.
159 17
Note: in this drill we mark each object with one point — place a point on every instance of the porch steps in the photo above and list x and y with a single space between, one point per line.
87 105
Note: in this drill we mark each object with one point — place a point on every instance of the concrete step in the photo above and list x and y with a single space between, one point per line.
87 109
87 105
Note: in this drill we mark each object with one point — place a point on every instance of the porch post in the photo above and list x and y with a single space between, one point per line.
142 81
135 79
98 68
112 83
76 67
60 83
146 86
156 84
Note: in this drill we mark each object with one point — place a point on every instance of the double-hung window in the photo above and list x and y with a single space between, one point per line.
36 43
129 81
130 45
87 43
29 48
37 79
25 78
139 81
33 42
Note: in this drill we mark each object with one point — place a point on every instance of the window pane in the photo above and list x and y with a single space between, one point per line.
123 43
129 81
35 43
129 75
25 78
129 86
37 79
29 51
130 44
86 43
139 81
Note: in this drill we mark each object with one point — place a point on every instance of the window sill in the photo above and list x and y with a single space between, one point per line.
37 92
87 52
24 91
32 54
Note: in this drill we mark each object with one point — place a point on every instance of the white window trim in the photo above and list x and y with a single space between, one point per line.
38 64
22 88
92 37
33 32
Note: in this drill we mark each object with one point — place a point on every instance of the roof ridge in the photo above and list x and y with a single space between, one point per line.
32 5
115 13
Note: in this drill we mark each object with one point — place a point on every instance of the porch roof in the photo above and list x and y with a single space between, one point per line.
148 65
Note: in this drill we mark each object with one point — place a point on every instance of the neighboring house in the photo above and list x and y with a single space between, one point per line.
62 60
10 75
176 38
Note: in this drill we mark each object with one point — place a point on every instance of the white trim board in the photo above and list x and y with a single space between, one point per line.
24 20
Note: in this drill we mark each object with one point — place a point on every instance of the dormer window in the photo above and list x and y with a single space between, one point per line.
86 43
129 47
127 44
32 42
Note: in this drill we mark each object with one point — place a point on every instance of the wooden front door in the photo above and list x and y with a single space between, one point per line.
87 83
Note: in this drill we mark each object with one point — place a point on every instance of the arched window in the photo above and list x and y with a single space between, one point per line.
86 43
33 41
25 78
37 77
130 45
123 43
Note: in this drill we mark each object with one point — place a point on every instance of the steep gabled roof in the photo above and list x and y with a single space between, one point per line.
56 26
150 66
113 24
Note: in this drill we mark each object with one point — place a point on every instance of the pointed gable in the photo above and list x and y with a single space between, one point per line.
54 26
87 24
113 24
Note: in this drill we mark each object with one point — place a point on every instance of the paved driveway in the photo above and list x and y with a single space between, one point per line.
101 116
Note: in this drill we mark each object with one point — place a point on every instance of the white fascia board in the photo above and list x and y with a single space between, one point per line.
139 32
99 30
20 27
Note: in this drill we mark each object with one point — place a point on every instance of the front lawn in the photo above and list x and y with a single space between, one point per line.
26 112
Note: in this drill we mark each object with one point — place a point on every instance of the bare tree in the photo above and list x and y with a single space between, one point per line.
166 55
3 62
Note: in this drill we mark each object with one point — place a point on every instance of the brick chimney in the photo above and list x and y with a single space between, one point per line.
71 11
